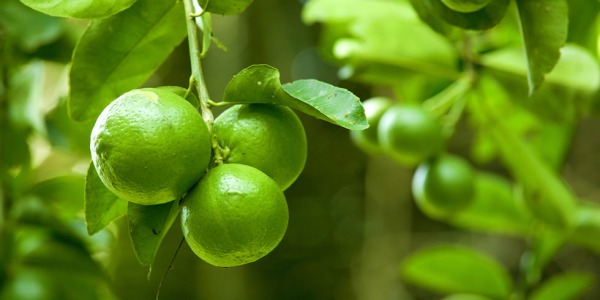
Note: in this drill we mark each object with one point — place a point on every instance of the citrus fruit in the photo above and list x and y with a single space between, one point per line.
466 6
149 146
367 139
409 134
268 137
235 215
444 185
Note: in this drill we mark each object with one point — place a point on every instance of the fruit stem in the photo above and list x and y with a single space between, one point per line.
197 79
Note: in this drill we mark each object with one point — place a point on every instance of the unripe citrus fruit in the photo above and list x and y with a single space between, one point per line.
409 134
268 137
367 139
466 6
235 215
443 186
150 146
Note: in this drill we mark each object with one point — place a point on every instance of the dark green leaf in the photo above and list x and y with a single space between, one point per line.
83 9
485 18
148 225
427 15
260 84
101 205
453 269
121 52
225 7
568 286
30 28
587 228
544 26
494 208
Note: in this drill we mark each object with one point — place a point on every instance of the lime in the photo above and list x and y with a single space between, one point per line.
444 185
409 134
268 137
149 146
367 139
235 215
466 6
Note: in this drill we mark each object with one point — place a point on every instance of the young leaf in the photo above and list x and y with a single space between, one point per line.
544 27
82 9
485 18
566 286
225 7
494 208
101 205
453 269
120 53
260 84
148 225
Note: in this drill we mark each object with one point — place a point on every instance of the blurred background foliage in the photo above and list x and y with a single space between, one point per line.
352 217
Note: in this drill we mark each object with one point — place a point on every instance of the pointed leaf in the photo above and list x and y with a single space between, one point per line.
260 84
568 286
83 9
544 27
119 53
453 269
101 205
148 225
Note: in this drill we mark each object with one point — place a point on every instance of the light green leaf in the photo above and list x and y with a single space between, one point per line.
148 225
587 228
82 9
101 205
30 28
25 97
544 27
454 269
546 195
119 53
485 18
568 286
494 208
225 7
260 84
576 68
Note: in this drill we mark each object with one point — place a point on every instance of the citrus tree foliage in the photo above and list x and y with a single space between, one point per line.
512 72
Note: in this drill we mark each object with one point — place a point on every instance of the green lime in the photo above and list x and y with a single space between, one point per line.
409 134
268 137
444 185
235 215
367 139
466 6
150 146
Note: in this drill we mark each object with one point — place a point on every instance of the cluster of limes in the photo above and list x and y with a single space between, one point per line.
443 183
151 146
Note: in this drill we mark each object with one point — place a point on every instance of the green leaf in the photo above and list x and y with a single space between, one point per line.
494 208
260 84
30 28
121 52
587 228
82 9
25 96
544 27
485 18
546 195
568 286
148 225
225 7
454 269
465 297
101 205
576 68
